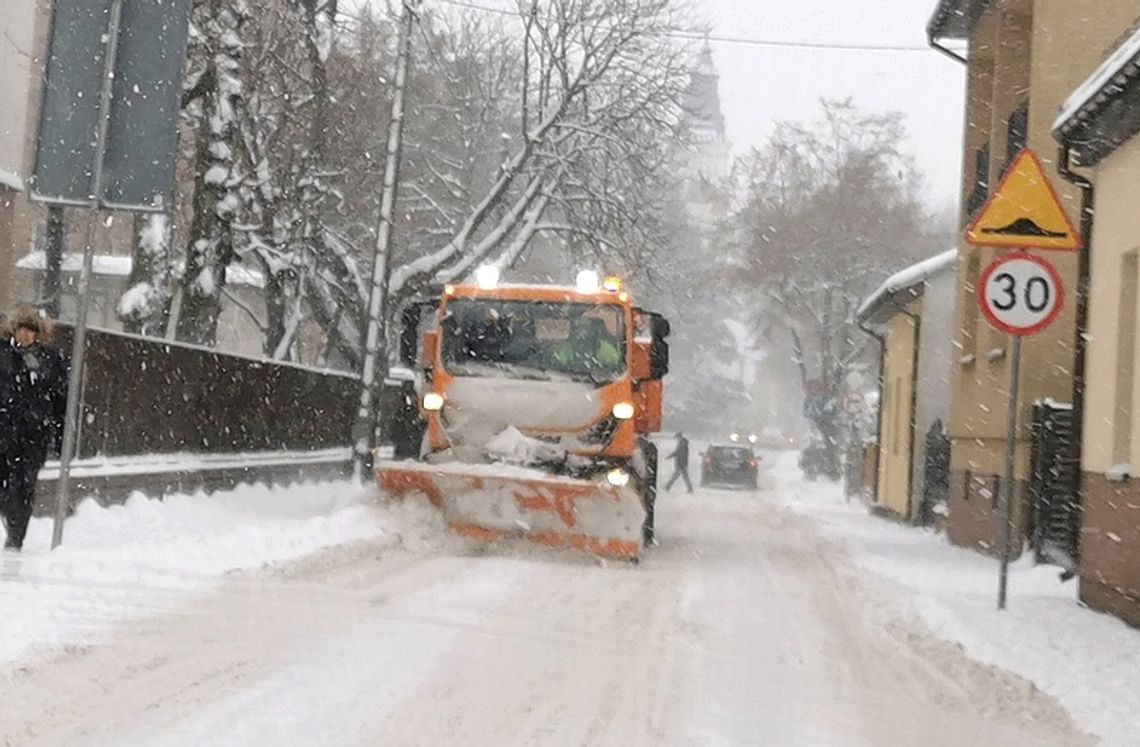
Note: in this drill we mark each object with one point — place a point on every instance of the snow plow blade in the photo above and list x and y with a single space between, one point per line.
489 503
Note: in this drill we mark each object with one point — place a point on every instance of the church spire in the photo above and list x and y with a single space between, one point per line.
702 99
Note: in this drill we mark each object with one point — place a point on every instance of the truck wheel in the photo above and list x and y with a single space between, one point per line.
649 491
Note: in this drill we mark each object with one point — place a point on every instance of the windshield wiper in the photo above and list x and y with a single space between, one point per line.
597 379
526 373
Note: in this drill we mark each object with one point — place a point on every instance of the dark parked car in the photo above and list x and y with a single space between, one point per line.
815 462
733 465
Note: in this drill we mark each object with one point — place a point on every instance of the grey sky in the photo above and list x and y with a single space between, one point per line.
760 86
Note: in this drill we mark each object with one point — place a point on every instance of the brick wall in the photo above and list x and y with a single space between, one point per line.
1110 546
975 512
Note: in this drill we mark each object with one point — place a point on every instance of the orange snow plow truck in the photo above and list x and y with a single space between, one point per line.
538 402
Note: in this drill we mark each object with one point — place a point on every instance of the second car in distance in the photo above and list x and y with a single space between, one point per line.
731 465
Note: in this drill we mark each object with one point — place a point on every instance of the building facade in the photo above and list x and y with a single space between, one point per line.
1023 59
911 314
1097 129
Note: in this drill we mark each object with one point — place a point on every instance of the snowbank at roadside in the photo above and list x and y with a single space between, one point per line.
1089 662
120 562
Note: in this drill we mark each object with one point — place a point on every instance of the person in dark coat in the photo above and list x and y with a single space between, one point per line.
8 420
680 457
38 401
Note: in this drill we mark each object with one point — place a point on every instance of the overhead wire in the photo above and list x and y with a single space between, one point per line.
721 39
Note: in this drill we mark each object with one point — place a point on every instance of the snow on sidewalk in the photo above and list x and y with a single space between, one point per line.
121 562
1088 661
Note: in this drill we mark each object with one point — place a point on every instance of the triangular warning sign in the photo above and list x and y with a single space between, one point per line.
1024 212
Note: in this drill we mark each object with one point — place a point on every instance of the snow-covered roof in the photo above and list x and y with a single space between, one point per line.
906 280
1113 77
110 265
951 19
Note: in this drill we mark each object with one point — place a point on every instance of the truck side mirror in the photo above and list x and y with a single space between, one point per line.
659 358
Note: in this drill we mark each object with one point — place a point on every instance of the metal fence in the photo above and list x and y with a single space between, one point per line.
1053 485
146 396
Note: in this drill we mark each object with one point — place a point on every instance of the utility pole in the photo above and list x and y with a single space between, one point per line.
375 368
69 440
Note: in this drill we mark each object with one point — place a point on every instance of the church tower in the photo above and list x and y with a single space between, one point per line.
707 165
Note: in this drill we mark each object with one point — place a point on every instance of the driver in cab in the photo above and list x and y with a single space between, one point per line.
589 347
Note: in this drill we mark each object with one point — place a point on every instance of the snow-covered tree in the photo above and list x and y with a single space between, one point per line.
216 48
599 96
556 124
145 306
829 210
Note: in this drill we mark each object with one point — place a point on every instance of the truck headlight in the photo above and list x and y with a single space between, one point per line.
433 402
588 282
619 478
623 410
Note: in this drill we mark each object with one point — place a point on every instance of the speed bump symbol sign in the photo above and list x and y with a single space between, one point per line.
1024 211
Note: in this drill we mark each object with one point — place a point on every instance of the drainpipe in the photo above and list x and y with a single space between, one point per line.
882 340
939 47
914 374
1088 211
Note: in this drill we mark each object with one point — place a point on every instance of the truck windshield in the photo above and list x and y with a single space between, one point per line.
528 339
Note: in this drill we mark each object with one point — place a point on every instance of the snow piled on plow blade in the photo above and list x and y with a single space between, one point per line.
491 502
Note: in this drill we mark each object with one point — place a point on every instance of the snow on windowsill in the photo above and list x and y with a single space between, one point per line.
111 265
11 180
1118 473
102 264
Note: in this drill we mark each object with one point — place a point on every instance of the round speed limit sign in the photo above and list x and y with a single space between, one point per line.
1021 294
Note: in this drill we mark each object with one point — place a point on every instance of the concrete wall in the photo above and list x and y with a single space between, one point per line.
24 27
20 81
895 441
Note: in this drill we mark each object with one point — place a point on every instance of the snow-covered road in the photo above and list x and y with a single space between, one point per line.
746 627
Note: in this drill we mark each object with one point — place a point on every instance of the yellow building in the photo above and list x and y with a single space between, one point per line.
1098 129
911 315
1023 59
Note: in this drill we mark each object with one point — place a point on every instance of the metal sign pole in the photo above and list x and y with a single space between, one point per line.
69 444
1007 492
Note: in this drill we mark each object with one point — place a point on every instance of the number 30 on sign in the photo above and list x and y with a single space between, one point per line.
1021 294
